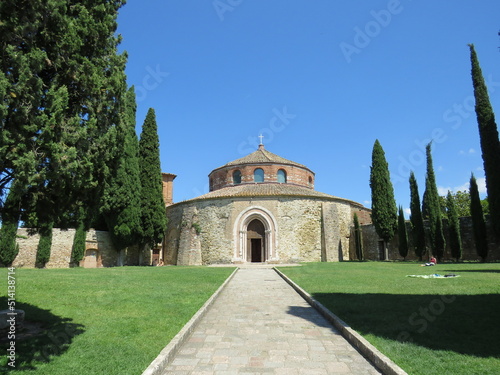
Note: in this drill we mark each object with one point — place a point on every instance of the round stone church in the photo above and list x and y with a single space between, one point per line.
261 208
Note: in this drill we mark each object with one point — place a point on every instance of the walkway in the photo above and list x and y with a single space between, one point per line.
260 325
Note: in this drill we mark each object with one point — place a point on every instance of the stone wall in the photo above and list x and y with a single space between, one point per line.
364 215
372 243
307 229
98 247
60 253
299 234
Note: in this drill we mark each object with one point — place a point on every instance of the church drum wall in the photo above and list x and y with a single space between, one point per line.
203 231
295 175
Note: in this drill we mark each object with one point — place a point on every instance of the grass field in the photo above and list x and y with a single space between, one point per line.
426 326
103 321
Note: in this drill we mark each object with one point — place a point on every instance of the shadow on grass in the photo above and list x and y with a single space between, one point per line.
479 270
43 336
465 324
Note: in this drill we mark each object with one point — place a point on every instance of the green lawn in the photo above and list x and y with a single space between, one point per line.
104 321
426 326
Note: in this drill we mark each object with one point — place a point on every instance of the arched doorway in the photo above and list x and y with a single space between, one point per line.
256 237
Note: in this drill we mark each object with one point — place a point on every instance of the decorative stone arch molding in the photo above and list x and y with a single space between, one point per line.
240 234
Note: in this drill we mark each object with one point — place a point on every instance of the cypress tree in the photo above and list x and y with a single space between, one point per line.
358 238
61 83
416 219
454 228
78 248
384 211
432 210
490 144
478 223
121 199
44 246
8 245
153 207
440 241
8 231
402 234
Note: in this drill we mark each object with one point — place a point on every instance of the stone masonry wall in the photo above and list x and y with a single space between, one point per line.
308 229
371 244
62 242
60 252
364 215
299 222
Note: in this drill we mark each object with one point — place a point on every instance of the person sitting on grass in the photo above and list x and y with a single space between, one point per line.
432 262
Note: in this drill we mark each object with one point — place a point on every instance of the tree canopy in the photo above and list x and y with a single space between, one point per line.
431 209
478 222
153 208
121 199
461 200
61 85
416 219
454 227
384 211
490 143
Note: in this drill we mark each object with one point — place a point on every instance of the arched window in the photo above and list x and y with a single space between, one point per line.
258 175
282 176
236 177
310 181
211 184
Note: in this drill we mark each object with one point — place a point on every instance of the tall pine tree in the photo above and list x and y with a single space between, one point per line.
384 211
153 216
121 199
416 219
431 209
478 223
454 228
490 144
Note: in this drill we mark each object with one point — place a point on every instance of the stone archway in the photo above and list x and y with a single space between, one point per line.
255 234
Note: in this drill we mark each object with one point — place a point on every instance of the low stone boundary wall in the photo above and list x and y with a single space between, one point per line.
372 250
99 248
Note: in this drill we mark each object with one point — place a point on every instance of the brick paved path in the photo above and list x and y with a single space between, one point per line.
260 325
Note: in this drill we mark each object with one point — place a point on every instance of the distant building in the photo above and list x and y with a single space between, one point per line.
260 208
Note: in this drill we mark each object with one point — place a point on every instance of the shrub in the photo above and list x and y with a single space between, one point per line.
8 246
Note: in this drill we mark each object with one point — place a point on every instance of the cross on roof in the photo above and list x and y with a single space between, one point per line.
261 136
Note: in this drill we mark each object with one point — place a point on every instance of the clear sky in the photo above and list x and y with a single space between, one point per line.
321 80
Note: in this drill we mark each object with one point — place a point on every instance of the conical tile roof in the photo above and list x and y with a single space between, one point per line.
269 190
261 156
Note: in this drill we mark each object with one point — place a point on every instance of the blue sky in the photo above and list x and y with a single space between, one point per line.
321 80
